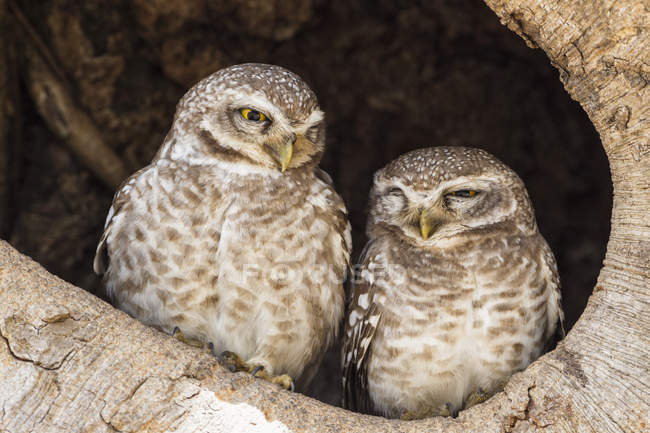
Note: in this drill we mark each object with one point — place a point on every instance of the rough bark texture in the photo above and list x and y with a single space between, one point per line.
69 362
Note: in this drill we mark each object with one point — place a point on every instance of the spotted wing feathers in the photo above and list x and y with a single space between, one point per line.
360 326
122 196
556 330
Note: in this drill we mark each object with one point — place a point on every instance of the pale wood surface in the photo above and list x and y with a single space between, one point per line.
69 362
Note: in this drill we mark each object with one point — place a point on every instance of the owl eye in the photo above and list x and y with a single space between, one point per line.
465 193
395 191
252 115
312 133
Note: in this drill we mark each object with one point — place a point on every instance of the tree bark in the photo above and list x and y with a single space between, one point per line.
69 362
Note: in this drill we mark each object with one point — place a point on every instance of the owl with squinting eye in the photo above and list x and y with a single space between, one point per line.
233 236
456 289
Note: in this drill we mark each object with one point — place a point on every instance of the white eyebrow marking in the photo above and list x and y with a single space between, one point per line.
315 117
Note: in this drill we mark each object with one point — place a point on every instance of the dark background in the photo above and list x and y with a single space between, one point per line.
392 76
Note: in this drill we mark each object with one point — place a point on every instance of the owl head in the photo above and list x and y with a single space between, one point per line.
439 196
251 115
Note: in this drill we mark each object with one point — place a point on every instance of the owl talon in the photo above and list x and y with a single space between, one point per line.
449 410
480 395
284 380
232 361
477 397
178 334
408 415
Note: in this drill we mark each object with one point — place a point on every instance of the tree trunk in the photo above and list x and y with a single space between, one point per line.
70 362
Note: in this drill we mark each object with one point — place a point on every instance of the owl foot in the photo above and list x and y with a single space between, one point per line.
408 415
477 397
448 410
234 363
178 334
284 380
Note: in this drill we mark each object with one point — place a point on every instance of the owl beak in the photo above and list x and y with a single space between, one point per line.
282 151
427 223
285 153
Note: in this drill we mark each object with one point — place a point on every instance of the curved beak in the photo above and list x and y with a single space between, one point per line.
284 155
428 223
282 151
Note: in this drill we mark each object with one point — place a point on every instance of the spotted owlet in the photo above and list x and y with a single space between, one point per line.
232 235
456 288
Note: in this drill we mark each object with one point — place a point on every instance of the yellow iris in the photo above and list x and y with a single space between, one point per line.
252 115
464 193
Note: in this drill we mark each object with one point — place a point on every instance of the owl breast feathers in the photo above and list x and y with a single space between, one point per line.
232 234
456 288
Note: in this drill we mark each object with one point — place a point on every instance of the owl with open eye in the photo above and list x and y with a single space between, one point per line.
233 236
456 289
